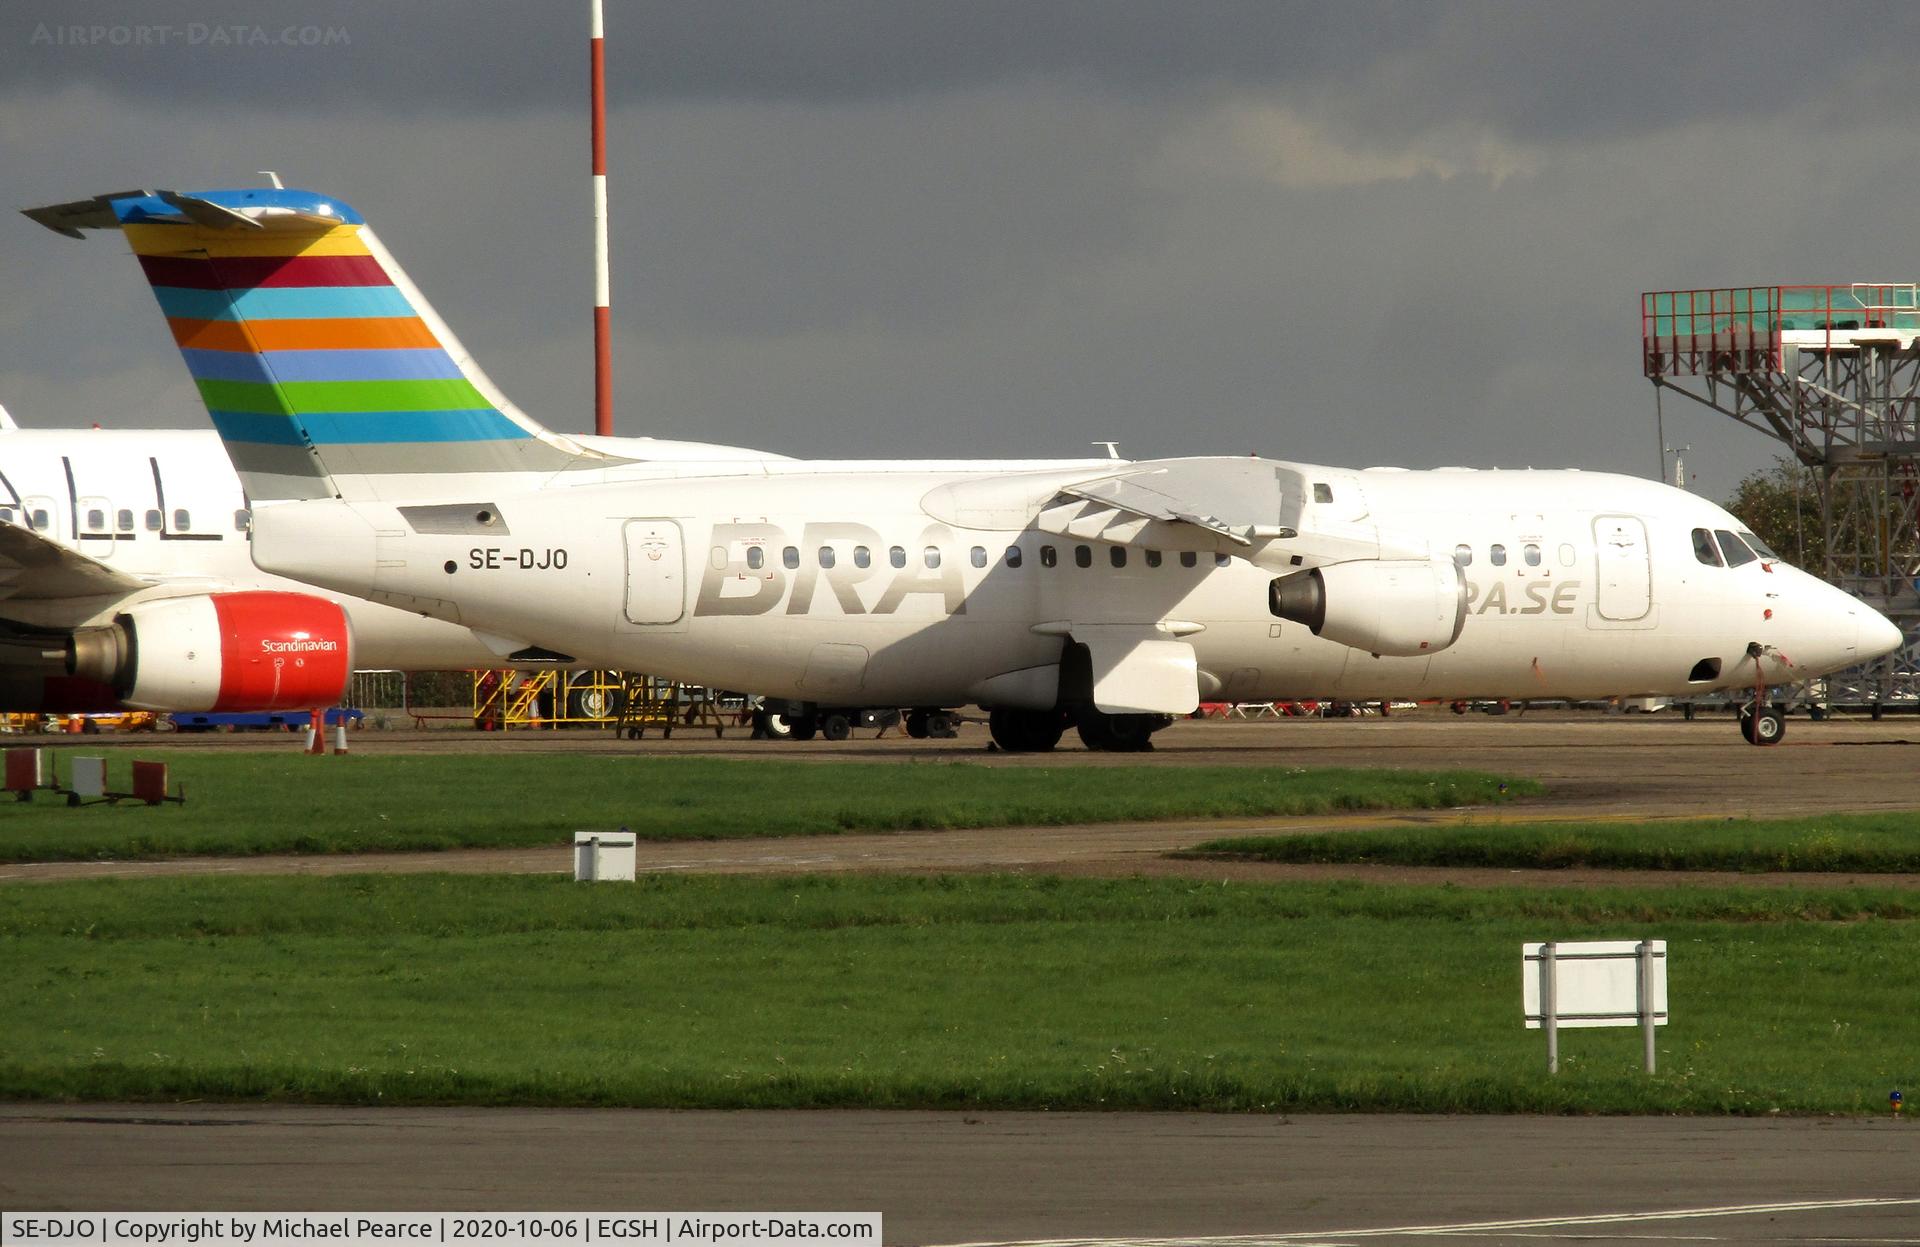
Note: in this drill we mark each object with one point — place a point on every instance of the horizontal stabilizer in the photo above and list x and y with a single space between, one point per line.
71 218
264 210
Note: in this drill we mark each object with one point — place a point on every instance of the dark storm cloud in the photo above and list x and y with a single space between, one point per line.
1562 70
1343 233
1536 70
497 54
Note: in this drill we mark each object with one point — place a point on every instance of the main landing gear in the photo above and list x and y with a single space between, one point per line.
1036 731
1119 733
1026 731
1763 725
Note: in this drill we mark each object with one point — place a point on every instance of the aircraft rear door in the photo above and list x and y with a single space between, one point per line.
656 572
1624 575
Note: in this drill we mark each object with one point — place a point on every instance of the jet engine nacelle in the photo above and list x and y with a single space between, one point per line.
1399 608
221 651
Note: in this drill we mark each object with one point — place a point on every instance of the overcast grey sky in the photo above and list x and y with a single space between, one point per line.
1355 233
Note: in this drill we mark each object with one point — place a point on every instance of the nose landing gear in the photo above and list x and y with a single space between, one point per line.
1761 722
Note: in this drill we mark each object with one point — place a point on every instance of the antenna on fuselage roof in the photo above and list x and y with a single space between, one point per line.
1113 448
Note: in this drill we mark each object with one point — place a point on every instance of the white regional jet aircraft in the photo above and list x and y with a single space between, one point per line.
123 554
1106 595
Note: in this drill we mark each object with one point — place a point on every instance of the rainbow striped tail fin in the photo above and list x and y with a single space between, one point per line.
325 371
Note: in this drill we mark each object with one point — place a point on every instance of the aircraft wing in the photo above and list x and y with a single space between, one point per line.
35 569
1249 507
1231 501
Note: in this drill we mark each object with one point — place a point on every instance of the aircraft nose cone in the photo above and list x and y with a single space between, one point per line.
1878 634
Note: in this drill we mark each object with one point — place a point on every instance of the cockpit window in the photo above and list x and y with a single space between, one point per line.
1704 549
1759 546
1734 548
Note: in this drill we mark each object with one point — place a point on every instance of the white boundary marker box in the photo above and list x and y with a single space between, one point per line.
603 856
89 777
1594 983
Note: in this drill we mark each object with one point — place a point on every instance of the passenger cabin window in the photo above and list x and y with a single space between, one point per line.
1118 556
756 557
155 521
862 557
182 522
790 557
1704 549
1153 558
242 518
1532 554
1083 556
1189 559
1734 548
96 520
897 556
1463 555
1566 555
7 515
931 556
826 556
1013 556
123 519
39 520
1322 492
1049 557
978 556
1497 556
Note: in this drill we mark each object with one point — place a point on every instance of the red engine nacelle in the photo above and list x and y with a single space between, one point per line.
221 651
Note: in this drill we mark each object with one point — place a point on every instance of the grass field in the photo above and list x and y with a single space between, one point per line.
911 992
1864 843
242 803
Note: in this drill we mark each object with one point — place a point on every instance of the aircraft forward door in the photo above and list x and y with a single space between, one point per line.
1623 585
656 572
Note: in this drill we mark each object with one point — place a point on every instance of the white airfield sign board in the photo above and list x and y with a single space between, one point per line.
1596 983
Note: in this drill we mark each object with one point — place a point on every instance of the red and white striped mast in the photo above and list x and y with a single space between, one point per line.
602 286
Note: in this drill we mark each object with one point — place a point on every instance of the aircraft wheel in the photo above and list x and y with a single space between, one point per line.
917 724
804 728
836 727
1766 726
589 702
772 725
1026 731
1118 733
942 725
